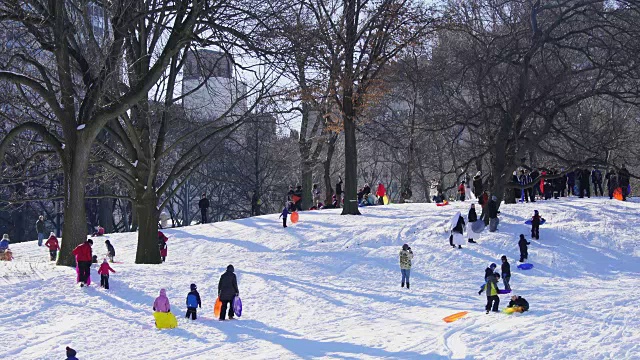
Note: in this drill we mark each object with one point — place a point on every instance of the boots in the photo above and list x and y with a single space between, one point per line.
402 285
459 246
472 241
407 285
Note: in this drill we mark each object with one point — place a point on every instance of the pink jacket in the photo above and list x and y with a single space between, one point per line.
105 268
162 302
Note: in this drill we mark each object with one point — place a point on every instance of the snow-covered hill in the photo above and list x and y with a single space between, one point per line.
329 287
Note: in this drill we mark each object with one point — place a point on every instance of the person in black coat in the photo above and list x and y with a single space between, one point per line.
203 204
584 183
506 272
519 301
471 218
477 185
492 213
111 251
612 182
227 290
524 250
339 192
623 180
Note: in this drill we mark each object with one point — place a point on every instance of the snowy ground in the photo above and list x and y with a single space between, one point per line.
329 288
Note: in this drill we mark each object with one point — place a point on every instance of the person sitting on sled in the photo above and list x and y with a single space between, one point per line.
518 302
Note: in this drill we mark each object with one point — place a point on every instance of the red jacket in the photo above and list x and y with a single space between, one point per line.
461 189
105 268
52 243
381 191
83 252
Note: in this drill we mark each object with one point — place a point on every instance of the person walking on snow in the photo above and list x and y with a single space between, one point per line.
193 302
457 229
161 304
596 179
406 255
623 181
524 250
111 251
461 191
491 287
506 272
203 204
472 217
53 245
535 225
104 274
40 229
227 290
283 215
84 257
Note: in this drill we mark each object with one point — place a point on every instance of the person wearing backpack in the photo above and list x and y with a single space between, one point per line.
193 302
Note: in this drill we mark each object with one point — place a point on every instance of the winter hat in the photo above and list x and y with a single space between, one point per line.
70 352
90 241
493 265
535 212
230 268
193 287
494 198
504 257
107 242
405 247
521 236
104 260
5 237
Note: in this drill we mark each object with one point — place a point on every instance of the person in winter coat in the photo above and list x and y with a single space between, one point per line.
53 245
623 181
483 200
596 180
227 290
472 217
339 191
406 255
571 183
283 215
492 212
193 302
490 270
519 301
162 245
461 191
111 251
99 231
457 230
366 189
71 354
161 304
40 229
315 194
84 258
104 274
584 183
477 185
203 204
524 250
380 193
535 225
491 287
506 272
612 182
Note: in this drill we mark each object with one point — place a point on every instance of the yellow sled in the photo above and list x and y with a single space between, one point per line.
165 320
511 310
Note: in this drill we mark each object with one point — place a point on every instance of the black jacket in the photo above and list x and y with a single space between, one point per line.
477 184
40 226
228 286
367 190
519 301
623 177
472 217
203 203
506 269
111 250
523 244
459 228
492 208
339 188
488 272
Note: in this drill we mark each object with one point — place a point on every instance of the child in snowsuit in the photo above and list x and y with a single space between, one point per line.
506 272
519 302
406 255
71 354
104 274
535 225
492 293
524 250
111 251
161 304
193 302
283 215
52 244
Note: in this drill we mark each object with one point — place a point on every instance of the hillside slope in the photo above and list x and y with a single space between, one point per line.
329 287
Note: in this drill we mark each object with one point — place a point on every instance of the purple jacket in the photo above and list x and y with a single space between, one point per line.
162 302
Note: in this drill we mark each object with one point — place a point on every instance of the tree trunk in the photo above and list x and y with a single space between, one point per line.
331 148
105 210
148 214
74 232
350 169
307 184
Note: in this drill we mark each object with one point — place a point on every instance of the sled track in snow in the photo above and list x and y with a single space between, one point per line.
12 272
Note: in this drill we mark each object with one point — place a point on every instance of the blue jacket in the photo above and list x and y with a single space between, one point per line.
285 212
4 244
193 299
